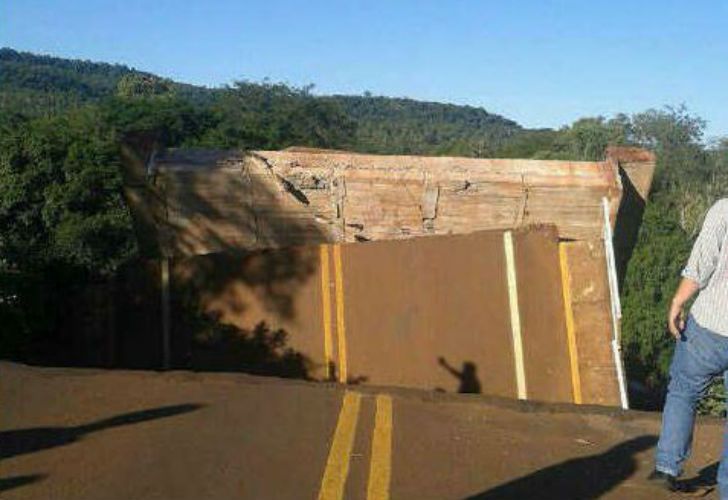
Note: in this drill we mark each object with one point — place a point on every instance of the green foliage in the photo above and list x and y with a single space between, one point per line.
170 120
44 86
60 196
652 277
676 136
586 139
689 179
529 144
63 222
272 116
139 85
714 402
405 126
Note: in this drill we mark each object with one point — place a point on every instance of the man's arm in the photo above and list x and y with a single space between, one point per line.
449 368
701 264
675 317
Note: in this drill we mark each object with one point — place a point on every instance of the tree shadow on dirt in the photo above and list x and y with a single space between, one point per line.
576 479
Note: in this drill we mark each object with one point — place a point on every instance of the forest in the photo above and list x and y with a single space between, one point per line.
64 224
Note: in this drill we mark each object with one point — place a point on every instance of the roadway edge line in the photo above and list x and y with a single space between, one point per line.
515 314
570 328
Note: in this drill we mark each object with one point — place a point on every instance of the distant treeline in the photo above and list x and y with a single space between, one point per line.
64 224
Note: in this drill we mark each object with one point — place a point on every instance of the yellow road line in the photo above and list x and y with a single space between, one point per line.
570 329
337 465
380 467
326 307
515 314
340 323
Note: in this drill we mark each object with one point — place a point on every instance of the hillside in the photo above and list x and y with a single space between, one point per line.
406 126
45 85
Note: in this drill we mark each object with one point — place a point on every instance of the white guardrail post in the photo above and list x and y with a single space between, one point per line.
616 306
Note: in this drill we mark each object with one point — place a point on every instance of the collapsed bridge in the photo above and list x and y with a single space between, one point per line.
479 275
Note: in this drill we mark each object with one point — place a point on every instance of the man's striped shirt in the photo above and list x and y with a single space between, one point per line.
708 266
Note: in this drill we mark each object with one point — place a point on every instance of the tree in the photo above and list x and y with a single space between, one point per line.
142 85
689 178
63 222
274 115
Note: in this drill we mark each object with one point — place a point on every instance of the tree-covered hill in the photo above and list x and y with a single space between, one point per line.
43 86
407 126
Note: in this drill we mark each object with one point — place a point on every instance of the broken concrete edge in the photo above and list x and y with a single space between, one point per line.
409 394
637 164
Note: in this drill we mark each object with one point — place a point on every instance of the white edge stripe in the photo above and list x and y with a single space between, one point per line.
515 314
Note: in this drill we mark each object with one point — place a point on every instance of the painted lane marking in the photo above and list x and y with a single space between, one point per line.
326 308
337 465
515 314
380 467
340 320
570 329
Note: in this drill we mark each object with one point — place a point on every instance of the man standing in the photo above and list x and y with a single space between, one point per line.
701 350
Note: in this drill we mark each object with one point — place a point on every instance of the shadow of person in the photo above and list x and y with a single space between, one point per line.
579 478
469 383
24 441
706 478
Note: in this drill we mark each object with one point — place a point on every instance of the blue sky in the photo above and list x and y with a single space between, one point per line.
541 63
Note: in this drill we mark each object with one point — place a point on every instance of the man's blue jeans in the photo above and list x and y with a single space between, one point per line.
699 356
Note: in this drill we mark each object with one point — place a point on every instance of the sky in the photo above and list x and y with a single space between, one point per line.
540 63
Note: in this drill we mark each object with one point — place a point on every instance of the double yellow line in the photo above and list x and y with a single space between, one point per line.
326 311
380 466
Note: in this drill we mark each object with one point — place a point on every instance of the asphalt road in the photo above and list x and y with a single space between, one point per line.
88 434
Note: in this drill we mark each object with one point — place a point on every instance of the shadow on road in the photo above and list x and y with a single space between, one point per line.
8 483
467 375
579 478
24 441
707 478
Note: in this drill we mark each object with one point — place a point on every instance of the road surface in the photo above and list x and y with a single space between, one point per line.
94 434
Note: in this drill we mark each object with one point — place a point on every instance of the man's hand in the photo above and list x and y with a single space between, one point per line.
675 320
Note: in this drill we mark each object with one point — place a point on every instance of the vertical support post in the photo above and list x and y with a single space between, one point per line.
615 303
515 314
166 340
